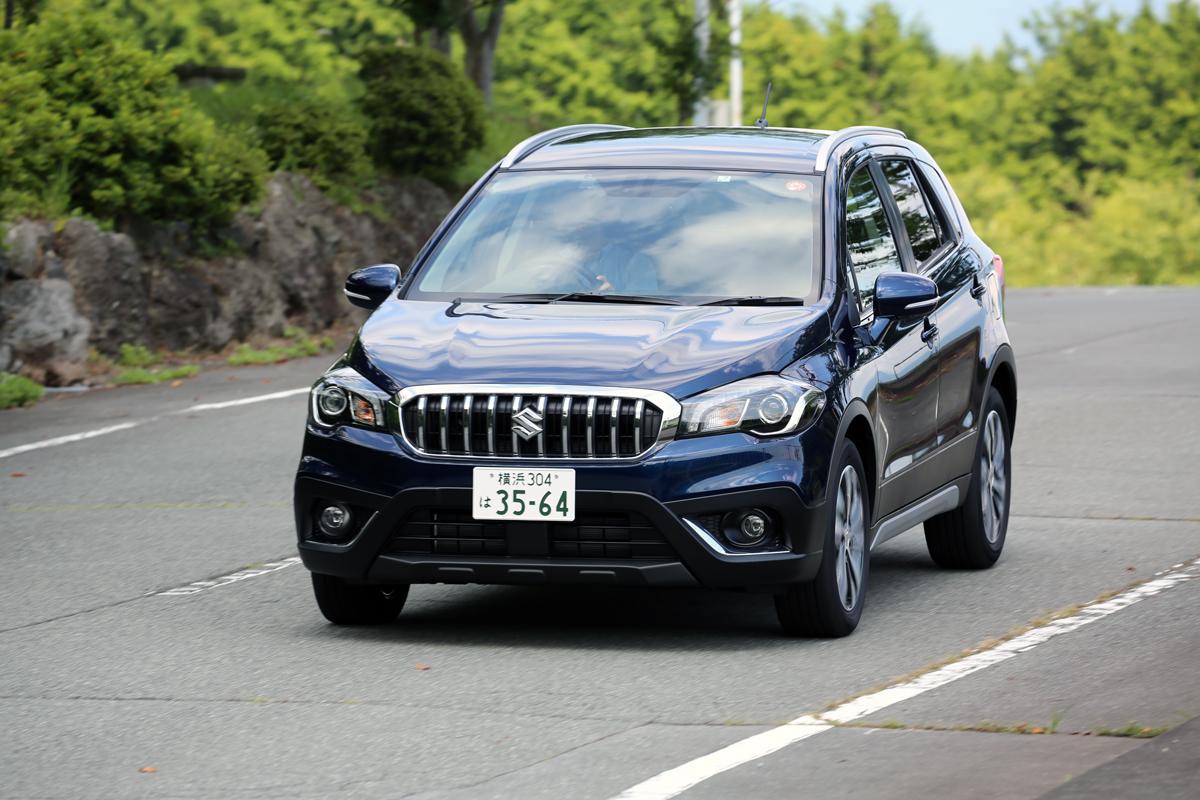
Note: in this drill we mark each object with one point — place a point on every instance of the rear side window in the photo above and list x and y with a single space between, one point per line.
871 247
914 211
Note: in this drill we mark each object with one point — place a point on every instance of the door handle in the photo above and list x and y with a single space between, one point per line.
930 331
977 288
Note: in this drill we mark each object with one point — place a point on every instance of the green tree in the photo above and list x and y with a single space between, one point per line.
128 142
425 115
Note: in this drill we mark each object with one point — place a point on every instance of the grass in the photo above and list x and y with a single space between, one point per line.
17 390
299 345
136 355
1022 728
1130 731
141 375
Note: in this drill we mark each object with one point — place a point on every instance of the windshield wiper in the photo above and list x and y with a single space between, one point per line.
756 300
587 297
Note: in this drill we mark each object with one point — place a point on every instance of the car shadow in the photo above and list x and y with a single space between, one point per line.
612 617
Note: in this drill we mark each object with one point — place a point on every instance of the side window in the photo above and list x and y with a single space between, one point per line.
870 245
943 206
922 231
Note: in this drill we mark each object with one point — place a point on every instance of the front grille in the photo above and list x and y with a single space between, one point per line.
614 535
545 425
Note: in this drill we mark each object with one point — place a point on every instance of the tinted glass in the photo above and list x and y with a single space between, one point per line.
922 233
871 246
672 233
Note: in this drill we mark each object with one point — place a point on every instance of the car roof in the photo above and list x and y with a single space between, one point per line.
773 149
800 150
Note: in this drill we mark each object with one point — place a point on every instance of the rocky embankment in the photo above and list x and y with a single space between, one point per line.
65 287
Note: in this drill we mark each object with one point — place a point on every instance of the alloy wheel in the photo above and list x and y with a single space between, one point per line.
994 488
850 538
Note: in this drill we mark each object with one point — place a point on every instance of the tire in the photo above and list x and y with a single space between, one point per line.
972 535
824 607
345 603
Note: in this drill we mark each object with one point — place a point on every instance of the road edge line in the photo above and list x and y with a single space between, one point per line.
679 779
124 426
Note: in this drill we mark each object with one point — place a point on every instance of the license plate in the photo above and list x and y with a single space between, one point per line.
528 495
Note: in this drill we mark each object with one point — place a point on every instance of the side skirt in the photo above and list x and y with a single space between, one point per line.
947 498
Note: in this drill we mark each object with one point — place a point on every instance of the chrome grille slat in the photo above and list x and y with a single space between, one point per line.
422 404
591 427
491 424
572 423
468 407
614 420
566 425
516 404
445 423
639 408
541 438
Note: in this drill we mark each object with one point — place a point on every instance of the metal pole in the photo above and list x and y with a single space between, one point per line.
735 61
700 112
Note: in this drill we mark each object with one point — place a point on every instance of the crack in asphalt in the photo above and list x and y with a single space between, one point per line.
152 593
261 701
1105 518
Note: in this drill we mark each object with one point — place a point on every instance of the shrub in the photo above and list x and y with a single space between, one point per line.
136 355
425 116
322 138
301 346
110 116
141 375
35 142
17 390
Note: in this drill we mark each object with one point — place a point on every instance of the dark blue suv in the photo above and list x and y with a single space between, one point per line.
737 358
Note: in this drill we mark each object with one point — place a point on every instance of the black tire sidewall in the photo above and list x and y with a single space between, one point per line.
833 610
974 496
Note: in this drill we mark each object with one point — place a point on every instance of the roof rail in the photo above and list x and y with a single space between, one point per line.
845 134
540 140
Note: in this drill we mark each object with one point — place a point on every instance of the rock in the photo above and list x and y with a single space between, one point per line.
26 246
283 265
110 280
43 332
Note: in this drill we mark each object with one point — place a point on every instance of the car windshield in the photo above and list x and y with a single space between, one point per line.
687 235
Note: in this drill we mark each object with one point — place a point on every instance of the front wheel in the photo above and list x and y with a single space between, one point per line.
972 535
831 604
345 603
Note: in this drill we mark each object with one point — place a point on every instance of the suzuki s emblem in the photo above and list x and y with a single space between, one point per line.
527 423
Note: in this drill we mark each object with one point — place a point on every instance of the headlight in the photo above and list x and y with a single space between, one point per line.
343 397
765 405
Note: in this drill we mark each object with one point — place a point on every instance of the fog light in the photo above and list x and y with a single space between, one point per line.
334 521
747 528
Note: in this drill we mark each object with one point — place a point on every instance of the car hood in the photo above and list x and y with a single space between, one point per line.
678 349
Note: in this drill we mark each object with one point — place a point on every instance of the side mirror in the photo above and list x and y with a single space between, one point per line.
370 286
904 296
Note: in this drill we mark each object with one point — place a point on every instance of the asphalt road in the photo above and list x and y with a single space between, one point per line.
238 688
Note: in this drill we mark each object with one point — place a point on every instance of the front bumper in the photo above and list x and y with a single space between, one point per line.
387 485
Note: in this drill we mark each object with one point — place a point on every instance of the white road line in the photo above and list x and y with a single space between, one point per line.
73 437
233 577
244 401
680 779
124 426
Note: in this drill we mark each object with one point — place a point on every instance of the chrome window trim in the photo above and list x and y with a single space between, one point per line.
670 407
828 145
528 146
714 544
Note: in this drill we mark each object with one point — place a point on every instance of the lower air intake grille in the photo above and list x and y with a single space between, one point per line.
616 535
